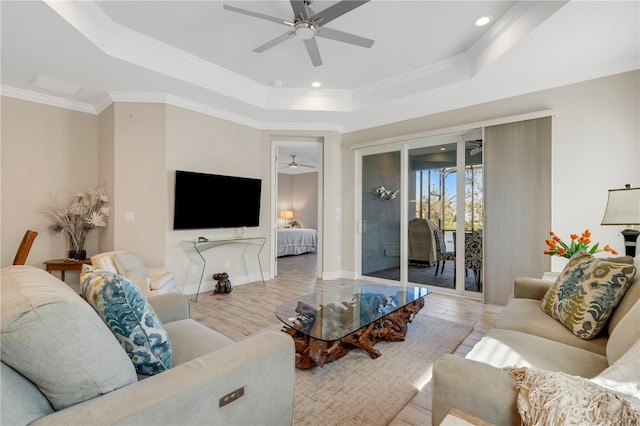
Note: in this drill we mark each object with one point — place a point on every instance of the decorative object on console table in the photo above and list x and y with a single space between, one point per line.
287 215
83 213
623 208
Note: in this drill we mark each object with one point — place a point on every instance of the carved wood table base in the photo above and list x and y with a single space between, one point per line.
393 327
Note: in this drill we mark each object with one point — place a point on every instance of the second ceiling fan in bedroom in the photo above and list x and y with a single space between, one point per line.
307 25
294 164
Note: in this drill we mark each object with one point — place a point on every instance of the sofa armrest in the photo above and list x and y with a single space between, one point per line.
188 394
171 306
530 288
156 271
474 387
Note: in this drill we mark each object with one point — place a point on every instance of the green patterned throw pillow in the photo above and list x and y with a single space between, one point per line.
127 313
586 293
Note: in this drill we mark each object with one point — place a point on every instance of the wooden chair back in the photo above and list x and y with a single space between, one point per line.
25 247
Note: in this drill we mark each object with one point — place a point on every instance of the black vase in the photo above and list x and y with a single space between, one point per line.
77 254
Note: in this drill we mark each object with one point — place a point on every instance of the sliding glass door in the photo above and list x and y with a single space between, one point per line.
437 185
380 220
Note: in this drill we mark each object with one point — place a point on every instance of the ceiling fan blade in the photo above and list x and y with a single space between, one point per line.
306 165
312 48
274 42
344 37
336 11
299 9
257 15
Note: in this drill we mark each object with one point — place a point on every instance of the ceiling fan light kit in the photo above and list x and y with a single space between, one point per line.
307 24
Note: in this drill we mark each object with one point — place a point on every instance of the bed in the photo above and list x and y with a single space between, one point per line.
294 241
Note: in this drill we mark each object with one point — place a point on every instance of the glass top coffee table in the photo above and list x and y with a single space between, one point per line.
328 324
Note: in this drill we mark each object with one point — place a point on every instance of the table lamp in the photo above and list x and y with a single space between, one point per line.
623 208
287 215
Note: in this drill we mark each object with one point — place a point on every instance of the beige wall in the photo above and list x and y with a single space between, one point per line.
52 151
139 180
201 143
47 153
595 147
299 193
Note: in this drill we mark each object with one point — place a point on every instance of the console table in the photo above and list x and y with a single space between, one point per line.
194 250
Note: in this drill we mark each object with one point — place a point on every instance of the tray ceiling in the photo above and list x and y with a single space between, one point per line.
428 56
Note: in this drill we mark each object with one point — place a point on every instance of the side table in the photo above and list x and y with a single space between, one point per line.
64 265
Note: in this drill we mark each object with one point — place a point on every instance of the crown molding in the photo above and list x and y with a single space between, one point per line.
27 95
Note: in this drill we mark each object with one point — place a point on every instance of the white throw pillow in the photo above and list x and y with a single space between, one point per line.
131 265
623 376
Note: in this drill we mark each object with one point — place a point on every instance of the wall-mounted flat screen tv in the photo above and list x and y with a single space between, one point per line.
204 201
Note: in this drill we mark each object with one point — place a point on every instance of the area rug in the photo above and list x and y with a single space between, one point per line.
358 390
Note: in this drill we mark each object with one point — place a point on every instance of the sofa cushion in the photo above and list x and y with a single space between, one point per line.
22 402
630 298
557 398
53 338
625 334
190 340
130 317
502 348
526 316
623 376
130 265
586 292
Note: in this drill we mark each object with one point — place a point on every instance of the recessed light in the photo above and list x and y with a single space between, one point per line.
316 84
483 20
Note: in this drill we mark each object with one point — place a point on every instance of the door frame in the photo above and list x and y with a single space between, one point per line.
275 144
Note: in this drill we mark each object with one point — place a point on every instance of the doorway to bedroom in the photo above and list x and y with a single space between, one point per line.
297 182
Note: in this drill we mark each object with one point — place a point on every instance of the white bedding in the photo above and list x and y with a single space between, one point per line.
293 241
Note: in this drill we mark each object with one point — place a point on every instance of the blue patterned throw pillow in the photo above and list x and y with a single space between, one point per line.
127 313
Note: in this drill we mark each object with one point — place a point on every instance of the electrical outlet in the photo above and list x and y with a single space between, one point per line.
227 265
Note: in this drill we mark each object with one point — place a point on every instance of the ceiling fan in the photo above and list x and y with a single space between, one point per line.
307 24
477 149
293 164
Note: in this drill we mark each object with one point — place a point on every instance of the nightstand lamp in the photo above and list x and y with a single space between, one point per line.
623 208
287 215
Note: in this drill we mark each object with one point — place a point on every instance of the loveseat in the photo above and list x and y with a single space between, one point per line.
62 365
525 336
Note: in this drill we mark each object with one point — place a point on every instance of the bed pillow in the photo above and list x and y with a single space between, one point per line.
130 317
557 398
586 292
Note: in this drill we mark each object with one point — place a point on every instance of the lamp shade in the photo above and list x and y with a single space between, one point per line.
287 214
623 207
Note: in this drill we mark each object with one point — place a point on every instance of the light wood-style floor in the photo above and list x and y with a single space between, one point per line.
250 308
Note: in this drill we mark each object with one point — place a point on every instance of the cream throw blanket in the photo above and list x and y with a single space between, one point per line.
555 398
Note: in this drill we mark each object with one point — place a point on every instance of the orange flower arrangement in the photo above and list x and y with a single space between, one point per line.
557 247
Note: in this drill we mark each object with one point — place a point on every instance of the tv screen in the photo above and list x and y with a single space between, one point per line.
214 201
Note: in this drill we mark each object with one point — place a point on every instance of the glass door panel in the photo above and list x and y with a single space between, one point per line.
432 215
474 216
381 215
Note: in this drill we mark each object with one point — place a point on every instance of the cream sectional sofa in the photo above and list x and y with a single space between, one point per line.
62 365
525 336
